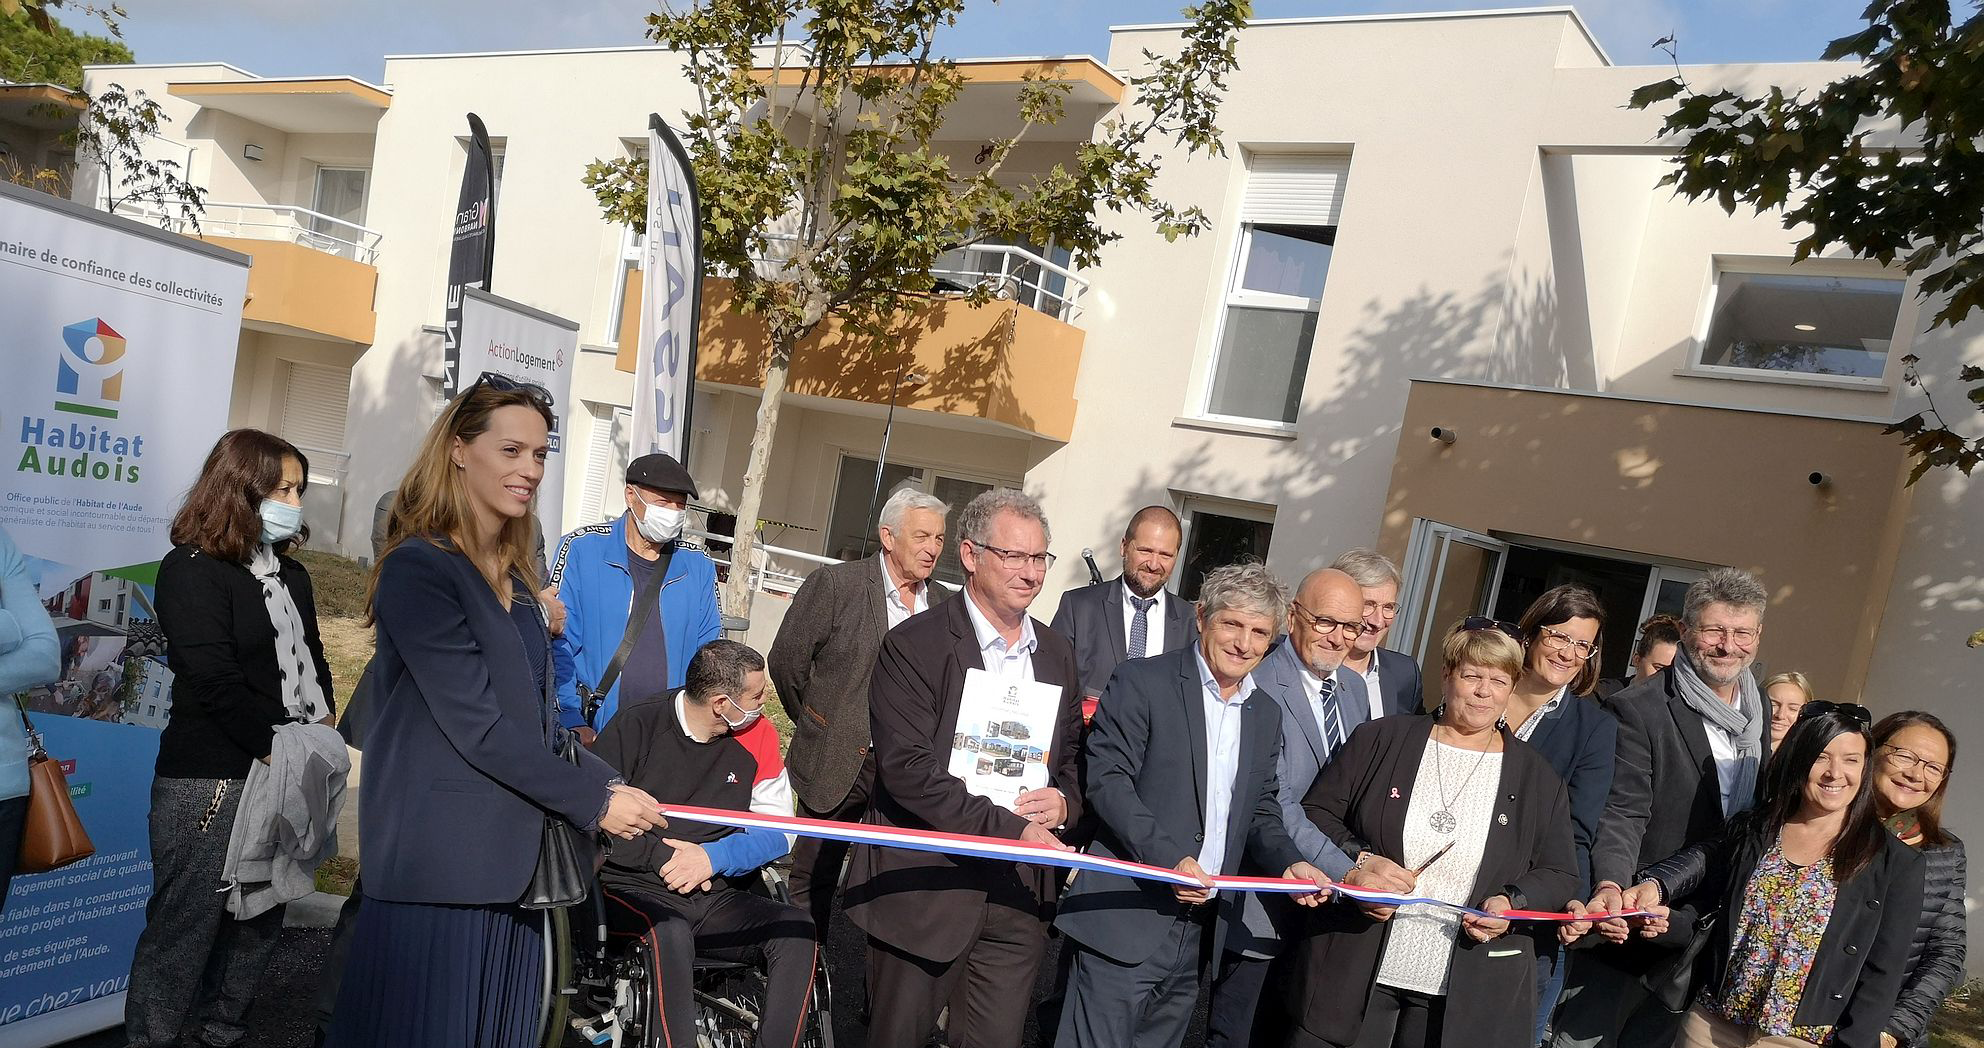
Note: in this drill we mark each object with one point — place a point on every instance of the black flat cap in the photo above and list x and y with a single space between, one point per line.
662 473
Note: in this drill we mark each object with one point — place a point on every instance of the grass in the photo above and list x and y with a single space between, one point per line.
1961 1022
337 874
339 585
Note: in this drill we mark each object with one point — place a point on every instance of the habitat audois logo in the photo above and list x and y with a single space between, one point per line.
89 382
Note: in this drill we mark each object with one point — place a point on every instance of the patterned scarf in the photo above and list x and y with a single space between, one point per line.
302 695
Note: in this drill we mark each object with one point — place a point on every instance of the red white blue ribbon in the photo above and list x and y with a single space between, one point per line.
999 848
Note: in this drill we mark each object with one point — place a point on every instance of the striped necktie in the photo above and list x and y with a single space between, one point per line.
1140 627
1330 718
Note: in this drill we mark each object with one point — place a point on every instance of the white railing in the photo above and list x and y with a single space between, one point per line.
1016 274
284 222
767 576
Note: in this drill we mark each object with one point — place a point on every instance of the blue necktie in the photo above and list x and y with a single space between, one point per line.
1140 626
1332 717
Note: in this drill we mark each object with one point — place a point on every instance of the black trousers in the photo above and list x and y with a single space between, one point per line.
1395 1018
1250 1002
816 863
332 977
1146 1005
729 925
13 823
986 989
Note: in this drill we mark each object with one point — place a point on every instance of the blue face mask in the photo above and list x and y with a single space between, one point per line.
280 521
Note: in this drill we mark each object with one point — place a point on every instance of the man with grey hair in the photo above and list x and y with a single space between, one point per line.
1392 682
821 662
967 934
1142 946
1692 740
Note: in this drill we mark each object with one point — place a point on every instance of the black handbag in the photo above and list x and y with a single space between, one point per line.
562 875
564 867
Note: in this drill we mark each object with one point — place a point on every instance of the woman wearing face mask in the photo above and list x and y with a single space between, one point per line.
240 628
1787 693
1913 755
465 760
1482 821
1813 902
1552 709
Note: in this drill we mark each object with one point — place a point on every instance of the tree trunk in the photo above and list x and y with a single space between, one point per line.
737 588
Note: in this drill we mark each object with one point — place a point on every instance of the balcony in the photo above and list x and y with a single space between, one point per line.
314 275
1009 364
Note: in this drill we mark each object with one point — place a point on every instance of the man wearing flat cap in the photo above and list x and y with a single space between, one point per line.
638 601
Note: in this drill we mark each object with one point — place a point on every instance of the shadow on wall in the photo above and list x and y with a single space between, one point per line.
390 410
1352 410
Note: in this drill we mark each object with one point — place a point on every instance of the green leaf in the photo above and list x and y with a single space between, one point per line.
1860 43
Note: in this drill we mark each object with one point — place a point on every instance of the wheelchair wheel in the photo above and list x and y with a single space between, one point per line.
730 997
553 1013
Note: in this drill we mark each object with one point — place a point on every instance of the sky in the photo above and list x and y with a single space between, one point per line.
310 37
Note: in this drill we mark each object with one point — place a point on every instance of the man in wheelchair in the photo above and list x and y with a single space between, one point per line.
681 892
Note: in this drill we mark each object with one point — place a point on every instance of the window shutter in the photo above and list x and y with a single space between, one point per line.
606 456
1295 189
314 405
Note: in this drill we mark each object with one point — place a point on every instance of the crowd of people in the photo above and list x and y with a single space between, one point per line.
1782 859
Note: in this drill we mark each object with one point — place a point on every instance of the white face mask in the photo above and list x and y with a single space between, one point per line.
659 523
746 718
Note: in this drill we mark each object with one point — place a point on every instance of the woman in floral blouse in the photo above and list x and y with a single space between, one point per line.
1803 911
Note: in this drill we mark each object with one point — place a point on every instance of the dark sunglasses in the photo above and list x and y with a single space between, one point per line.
1483 622
1851 712
502 383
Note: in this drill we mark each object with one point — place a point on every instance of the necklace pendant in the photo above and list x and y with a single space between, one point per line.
1443 821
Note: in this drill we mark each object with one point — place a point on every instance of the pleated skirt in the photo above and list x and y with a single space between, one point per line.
421 976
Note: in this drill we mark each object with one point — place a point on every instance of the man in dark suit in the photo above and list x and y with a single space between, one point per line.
1143 945
1320 704
1130 616
1693 739
967 934
1392 682
821 662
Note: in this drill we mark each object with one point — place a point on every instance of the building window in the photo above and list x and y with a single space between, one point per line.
1802 325
1287 236
852 521
1218 534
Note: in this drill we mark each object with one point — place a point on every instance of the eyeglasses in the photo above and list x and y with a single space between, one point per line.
1901 760
1386 611
1483 622
1851 712
502 383
1744 636
1016 559
1552 640
1323 627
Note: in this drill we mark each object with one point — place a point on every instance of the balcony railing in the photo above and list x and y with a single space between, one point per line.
768 575
283 222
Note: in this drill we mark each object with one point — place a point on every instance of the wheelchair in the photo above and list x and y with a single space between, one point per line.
601 992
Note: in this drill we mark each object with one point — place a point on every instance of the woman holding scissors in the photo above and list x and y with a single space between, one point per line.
1483 822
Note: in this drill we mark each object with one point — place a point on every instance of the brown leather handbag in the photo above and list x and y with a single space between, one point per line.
54 837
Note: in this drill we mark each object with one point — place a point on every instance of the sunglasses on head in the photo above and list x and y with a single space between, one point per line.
502 383
1483 622
1851 712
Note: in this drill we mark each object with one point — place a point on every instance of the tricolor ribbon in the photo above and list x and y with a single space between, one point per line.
1042 855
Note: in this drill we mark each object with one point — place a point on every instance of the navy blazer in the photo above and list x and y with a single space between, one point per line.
1092 619
1580 740
1399 679
1149 727
459 770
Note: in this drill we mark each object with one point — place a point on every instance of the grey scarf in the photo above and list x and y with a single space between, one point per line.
1742 722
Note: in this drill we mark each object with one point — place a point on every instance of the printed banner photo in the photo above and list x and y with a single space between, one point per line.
120 340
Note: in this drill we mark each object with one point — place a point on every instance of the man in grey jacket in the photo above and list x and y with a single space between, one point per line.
820 664
1321 703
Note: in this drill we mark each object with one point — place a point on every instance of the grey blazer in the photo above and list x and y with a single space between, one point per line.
1092 619
820 665
1268 918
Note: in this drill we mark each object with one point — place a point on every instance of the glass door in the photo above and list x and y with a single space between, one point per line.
1450 573
340 206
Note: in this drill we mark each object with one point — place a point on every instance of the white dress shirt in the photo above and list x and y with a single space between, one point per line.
1723 749
1153 621
1371 689
898 611
1007 661
1223 717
